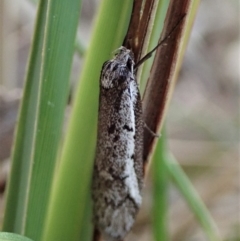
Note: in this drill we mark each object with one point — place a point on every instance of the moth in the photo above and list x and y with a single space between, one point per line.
118 167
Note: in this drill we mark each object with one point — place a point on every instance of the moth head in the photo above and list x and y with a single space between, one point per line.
125 57
118 70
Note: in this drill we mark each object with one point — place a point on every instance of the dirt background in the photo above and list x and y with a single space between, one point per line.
202 122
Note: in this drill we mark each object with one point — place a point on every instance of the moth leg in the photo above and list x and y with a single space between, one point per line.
151 132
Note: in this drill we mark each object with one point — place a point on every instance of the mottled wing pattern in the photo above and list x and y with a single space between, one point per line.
118 167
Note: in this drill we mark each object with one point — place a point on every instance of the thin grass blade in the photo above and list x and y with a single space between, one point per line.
192 198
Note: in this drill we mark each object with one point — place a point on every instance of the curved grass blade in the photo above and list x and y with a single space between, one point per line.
66 216
192 198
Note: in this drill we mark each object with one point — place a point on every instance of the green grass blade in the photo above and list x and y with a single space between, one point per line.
18 181
12 237
66 212
160 191
153 40
57 51
61 25
192 198
167 163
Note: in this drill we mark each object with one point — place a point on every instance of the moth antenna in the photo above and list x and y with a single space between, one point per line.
149 54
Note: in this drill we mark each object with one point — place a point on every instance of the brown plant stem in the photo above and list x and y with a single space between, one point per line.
138 27
157 90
